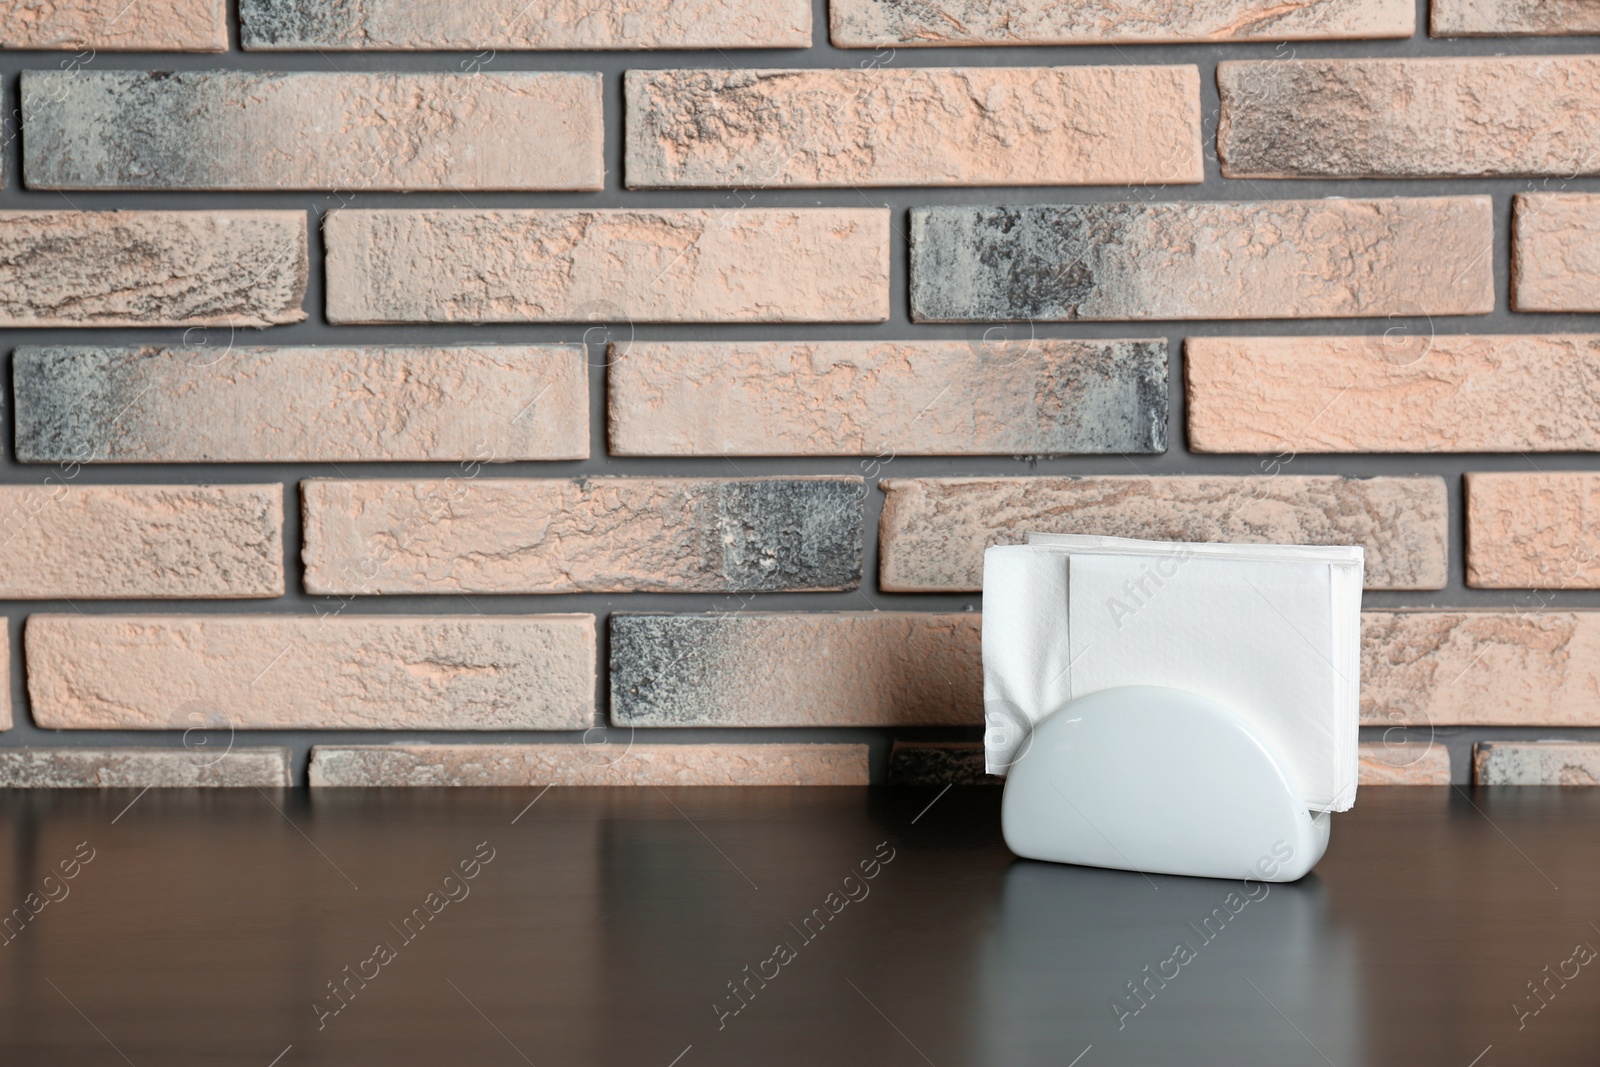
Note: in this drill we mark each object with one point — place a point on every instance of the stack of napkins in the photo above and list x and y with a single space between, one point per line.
1271 631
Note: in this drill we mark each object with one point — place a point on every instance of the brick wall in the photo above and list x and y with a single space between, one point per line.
412 392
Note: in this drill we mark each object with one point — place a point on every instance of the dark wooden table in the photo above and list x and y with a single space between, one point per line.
739 926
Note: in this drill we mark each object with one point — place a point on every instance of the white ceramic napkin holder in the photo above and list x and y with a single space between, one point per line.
1160 781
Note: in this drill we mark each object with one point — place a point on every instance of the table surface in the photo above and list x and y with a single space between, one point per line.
610 926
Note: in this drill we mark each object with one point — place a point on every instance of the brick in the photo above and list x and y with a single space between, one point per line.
1203 260
123 26
939 763
693 265
897 24
1535 763
596 535
1501 18
1409 118
796 669
1407 764
1533 530
142 768
1480 668
934 530
5 679
913 126
133 129
151 268
403 25
1555 252
1451 393
61 541
186 405
316 672
574 764
821 398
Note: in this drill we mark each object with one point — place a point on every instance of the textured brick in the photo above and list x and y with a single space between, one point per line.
350 672
694 265
913 126
613 764
176 405
796 669
1497 18
62 541
1203 260
897 397
1480 668
132 129
1407 764
1535 763
141 768
119 26
401 25
5 679
1555 252
1393 393
1409 118
152 268
939 763
505 535
934 530
902 24
1533 530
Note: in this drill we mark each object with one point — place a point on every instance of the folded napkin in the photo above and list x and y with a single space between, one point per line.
1271 631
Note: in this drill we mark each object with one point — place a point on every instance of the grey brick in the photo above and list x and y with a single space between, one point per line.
939 763
1535 763
235 404
1202 260
141 768
796 669
131 129
525 535
394 25
1410 118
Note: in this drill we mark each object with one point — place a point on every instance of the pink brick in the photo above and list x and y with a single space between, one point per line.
1406 764
1512 18
1529 667
311 672
5 681
934 530
1555 252
1451 393
931 23
887 398
118 26
61 540
152 268
1533 530
612 266
913 126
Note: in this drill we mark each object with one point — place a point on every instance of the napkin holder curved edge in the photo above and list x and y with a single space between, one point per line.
1158 780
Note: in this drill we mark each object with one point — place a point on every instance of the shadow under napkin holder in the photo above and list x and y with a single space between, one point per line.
1160 781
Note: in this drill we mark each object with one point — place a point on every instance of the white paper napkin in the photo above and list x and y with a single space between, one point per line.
1271 631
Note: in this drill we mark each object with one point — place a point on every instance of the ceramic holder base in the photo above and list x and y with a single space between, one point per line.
1158 780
